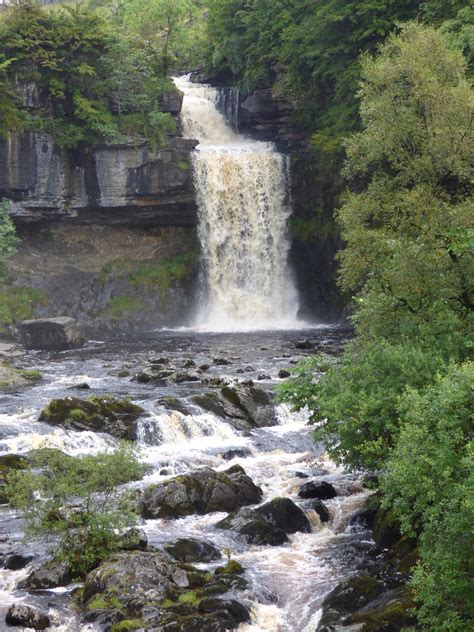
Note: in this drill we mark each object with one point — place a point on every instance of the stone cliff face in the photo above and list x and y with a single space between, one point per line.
108 233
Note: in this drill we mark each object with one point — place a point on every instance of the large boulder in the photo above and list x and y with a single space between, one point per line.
191 550
200 492
116 417
150 589
52 574
322 490
243 406
27 617
52 334
268 524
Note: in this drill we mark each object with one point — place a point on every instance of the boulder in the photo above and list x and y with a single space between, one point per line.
320 508
133 540
173 403
322 490
268 524
16 561
52 574
191 550
150 589
200 492
27 617
100 414
243 406
51 334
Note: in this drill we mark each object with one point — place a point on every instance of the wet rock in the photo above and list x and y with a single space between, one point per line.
173 403
301 475
392 611
364 518
282 373
166 377
188 364
52 574
243 406
158 359
268 524
348 597
304 344
52 334
9 462
123 373
150 589
234 453
322 490
100 414
16 561
204 367
27 617
82 386
320 508
221 361
133 540
263 376
202 491
191 550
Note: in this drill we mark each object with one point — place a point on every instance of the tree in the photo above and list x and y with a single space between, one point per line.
76 499
429 486
8 239
407 218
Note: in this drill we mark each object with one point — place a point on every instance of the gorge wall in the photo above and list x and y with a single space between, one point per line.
108 234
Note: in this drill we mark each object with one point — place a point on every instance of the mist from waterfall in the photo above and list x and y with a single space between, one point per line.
243 204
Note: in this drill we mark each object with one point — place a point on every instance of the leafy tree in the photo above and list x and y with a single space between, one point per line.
429 486
407 220
355 402
8 239
76 499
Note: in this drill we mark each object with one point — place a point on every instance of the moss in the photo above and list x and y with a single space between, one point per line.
120 305
163 275
97 603
231 568
193 598
129 624
77 414
31 374
19 303
184 165
395 615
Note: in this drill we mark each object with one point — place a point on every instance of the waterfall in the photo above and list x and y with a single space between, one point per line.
243 203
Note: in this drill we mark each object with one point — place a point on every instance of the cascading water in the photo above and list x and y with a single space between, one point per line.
242 195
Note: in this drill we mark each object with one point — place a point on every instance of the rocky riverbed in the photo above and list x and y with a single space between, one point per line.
245 522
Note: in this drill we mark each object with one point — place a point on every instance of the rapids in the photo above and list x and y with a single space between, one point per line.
286 583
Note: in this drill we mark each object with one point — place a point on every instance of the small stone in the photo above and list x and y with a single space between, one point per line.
180 578
204 367
282 373
221 361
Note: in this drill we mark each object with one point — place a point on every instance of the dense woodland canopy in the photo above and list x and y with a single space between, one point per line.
385 85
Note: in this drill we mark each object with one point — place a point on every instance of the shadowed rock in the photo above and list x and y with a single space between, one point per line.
52 334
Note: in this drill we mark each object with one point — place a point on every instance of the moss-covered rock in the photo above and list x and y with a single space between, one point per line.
202 491
191 550
101 414
392 612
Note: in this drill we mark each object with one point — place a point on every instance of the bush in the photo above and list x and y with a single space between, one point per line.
430 487
75 499
356 401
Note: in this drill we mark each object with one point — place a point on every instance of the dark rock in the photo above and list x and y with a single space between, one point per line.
83 386
123 373
27 617
320 508
100 414
160 593
268 524
391 612
52 574
133 540
301 475
322 490
191 550
221 361
159 360
233 453
364 518
304 344
348 597
55 334
284 373
204 367
243 406
188 364
202 491
263 376
173 403
16 561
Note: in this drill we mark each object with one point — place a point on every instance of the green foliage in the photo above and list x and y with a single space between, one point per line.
355 402
8 239
165 274
407 222
18 303
31 374
75 499
95 81
118 306
430 487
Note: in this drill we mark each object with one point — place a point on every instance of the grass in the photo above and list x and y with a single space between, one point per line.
120 305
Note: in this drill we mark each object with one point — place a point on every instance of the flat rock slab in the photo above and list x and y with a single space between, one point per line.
51 334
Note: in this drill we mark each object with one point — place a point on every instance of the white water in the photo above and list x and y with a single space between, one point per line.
242 195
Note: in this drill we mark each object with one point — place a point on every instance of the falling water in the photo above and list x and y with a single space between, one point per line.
242 196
